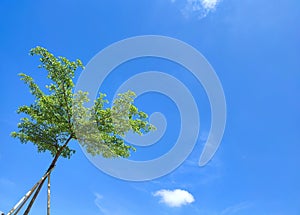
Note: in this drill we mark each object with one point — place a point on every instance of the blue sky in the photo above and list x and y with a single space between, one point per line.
254 48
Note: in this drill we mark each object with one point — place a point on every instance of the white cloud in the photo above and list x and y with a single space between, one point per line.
209 4
110 206
97 202
175 198
236 208
6 182
199 8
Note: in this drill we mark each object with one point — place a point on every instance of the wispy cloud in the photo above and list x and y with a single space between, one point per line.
210 4
234 209
108 206
198 8
97 201
175 198
6 182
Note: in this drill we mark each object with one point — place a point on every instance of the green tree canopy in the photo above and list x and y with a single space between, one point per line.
59 115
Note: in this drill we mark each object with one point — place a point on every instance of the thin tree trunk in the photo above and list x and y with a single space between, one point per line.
48 196
52 165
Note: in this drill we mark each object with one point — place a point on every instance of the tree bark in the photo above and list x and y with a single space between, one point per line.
52 165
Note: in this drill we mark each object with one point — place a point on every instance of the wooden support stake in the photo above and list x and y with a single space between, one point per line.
15 210
48 198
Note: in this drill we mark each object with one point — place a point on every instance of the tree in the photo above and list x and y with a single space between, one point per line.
58 115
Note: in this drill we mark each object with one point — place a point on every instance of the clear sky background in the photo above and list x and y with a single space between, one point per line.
254 47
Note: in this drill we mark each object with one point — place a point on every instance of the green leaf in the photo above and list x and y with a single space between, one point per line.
59 114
